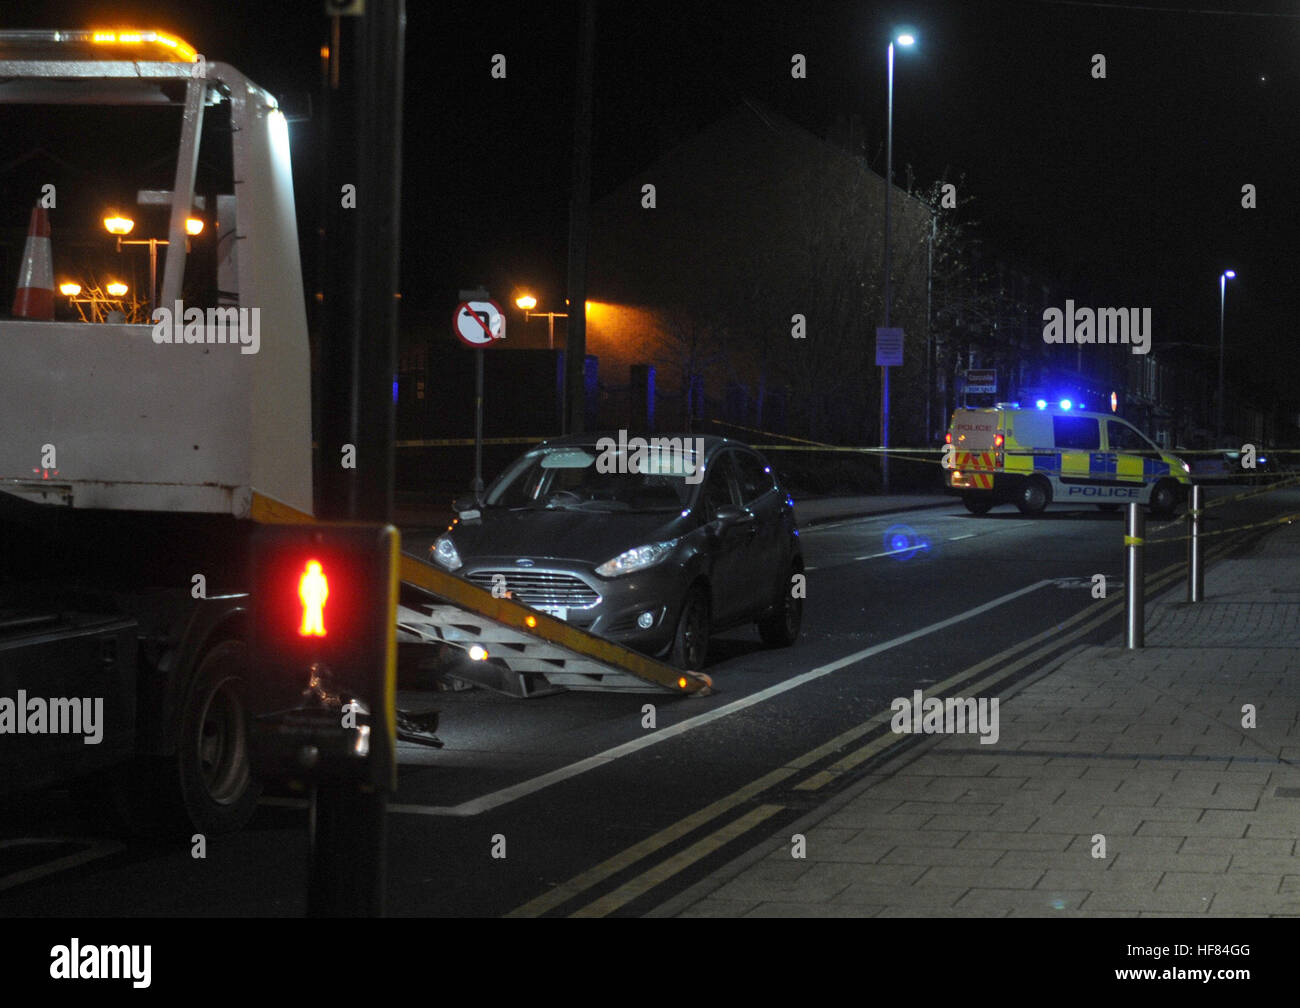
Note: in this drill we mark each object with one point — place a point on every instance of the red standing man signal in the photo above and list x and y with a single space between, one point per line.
313 590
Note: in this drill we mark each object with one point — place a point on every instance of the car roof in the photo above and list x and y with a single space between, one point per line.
710 441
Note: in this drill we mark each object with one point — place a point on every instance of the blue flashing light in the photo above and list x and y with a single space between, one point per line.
1066 404
1041 404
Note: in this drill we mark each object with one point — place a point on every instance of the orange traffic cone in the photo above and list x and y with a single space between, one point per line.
35 296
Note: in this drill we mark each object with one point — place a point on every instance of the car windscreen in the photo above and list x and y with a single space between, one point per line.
591 479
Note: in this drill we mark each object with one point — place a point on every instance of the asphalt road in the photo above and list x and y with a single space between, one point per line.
595 812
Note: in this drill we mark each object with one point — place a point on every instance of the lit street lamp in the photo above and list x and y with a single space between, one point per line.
527 302
115 224
903 39
1224 277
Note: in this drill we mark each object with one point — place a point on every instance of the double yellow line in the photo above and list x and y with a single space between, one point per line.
1056 638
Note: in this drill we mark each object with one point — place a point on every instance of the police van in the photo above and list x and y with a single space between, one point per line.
1032 457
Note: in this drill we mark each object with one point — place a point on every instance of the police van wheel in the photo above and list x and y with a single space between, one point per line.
977 503
1034 496
1165 499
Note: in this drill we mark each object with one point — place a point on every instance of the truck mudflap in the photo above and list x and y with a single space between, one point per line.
529 643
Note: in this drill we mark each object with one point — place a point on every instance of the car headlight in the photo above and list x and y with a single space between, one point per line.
636 559
444 552
1186 467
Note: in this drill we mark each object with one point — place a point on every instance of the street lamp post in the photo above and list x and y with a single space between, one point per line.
903 39
527 302
1224 277
121 226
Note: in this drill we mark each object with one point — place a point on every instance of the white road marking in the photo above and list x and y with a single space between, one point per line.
968 535
905 549
858 519
496 799
96 850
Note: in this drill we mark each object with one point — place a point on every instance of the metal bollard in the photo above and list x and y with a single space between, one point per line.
1195 558
1134 573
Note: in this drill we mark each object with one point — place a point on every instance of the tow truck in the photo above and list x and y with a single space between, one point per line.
140 460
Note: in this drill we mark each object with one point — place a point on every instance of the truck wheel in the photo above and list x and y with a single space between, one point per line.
1034 496
1165 498
218 793
207 785
977 503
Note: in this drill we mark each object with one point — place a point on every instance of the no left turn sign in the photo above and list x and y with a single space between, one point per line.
478 323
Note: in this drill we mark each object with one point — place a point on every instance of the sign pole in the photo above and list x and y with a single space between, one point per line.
478 426
884 428
477 322
889 353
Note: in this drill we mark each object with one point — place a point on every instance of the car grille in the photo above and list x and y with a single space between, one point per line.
540 588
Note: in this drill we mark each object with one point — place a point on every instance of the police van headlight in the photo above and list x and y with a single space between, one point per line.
1186 467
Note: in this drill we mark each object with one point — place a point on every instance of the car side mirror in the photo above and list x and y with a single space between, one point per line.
463 503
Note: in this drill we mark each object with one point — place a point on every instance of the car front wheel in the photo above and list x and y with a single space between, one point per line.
691 642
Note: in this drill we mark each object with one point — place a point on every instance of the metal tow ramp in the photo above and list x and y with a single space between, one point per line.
531 643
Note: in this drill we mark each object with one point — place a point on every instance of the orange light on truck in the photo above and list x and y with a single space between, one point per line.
185 52
313 590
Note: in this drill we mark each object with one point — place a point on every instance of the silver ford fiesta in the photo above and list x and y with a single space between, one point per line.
653 542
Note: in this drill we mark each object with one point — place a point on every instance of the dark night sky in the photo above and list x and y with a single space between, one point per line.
1131 184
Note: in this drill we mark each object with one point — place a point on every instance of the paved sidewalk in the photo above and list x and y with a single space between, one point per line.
1200 815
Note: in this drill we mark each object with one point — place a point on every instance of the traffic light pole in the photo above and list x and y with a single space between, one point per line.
348 819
